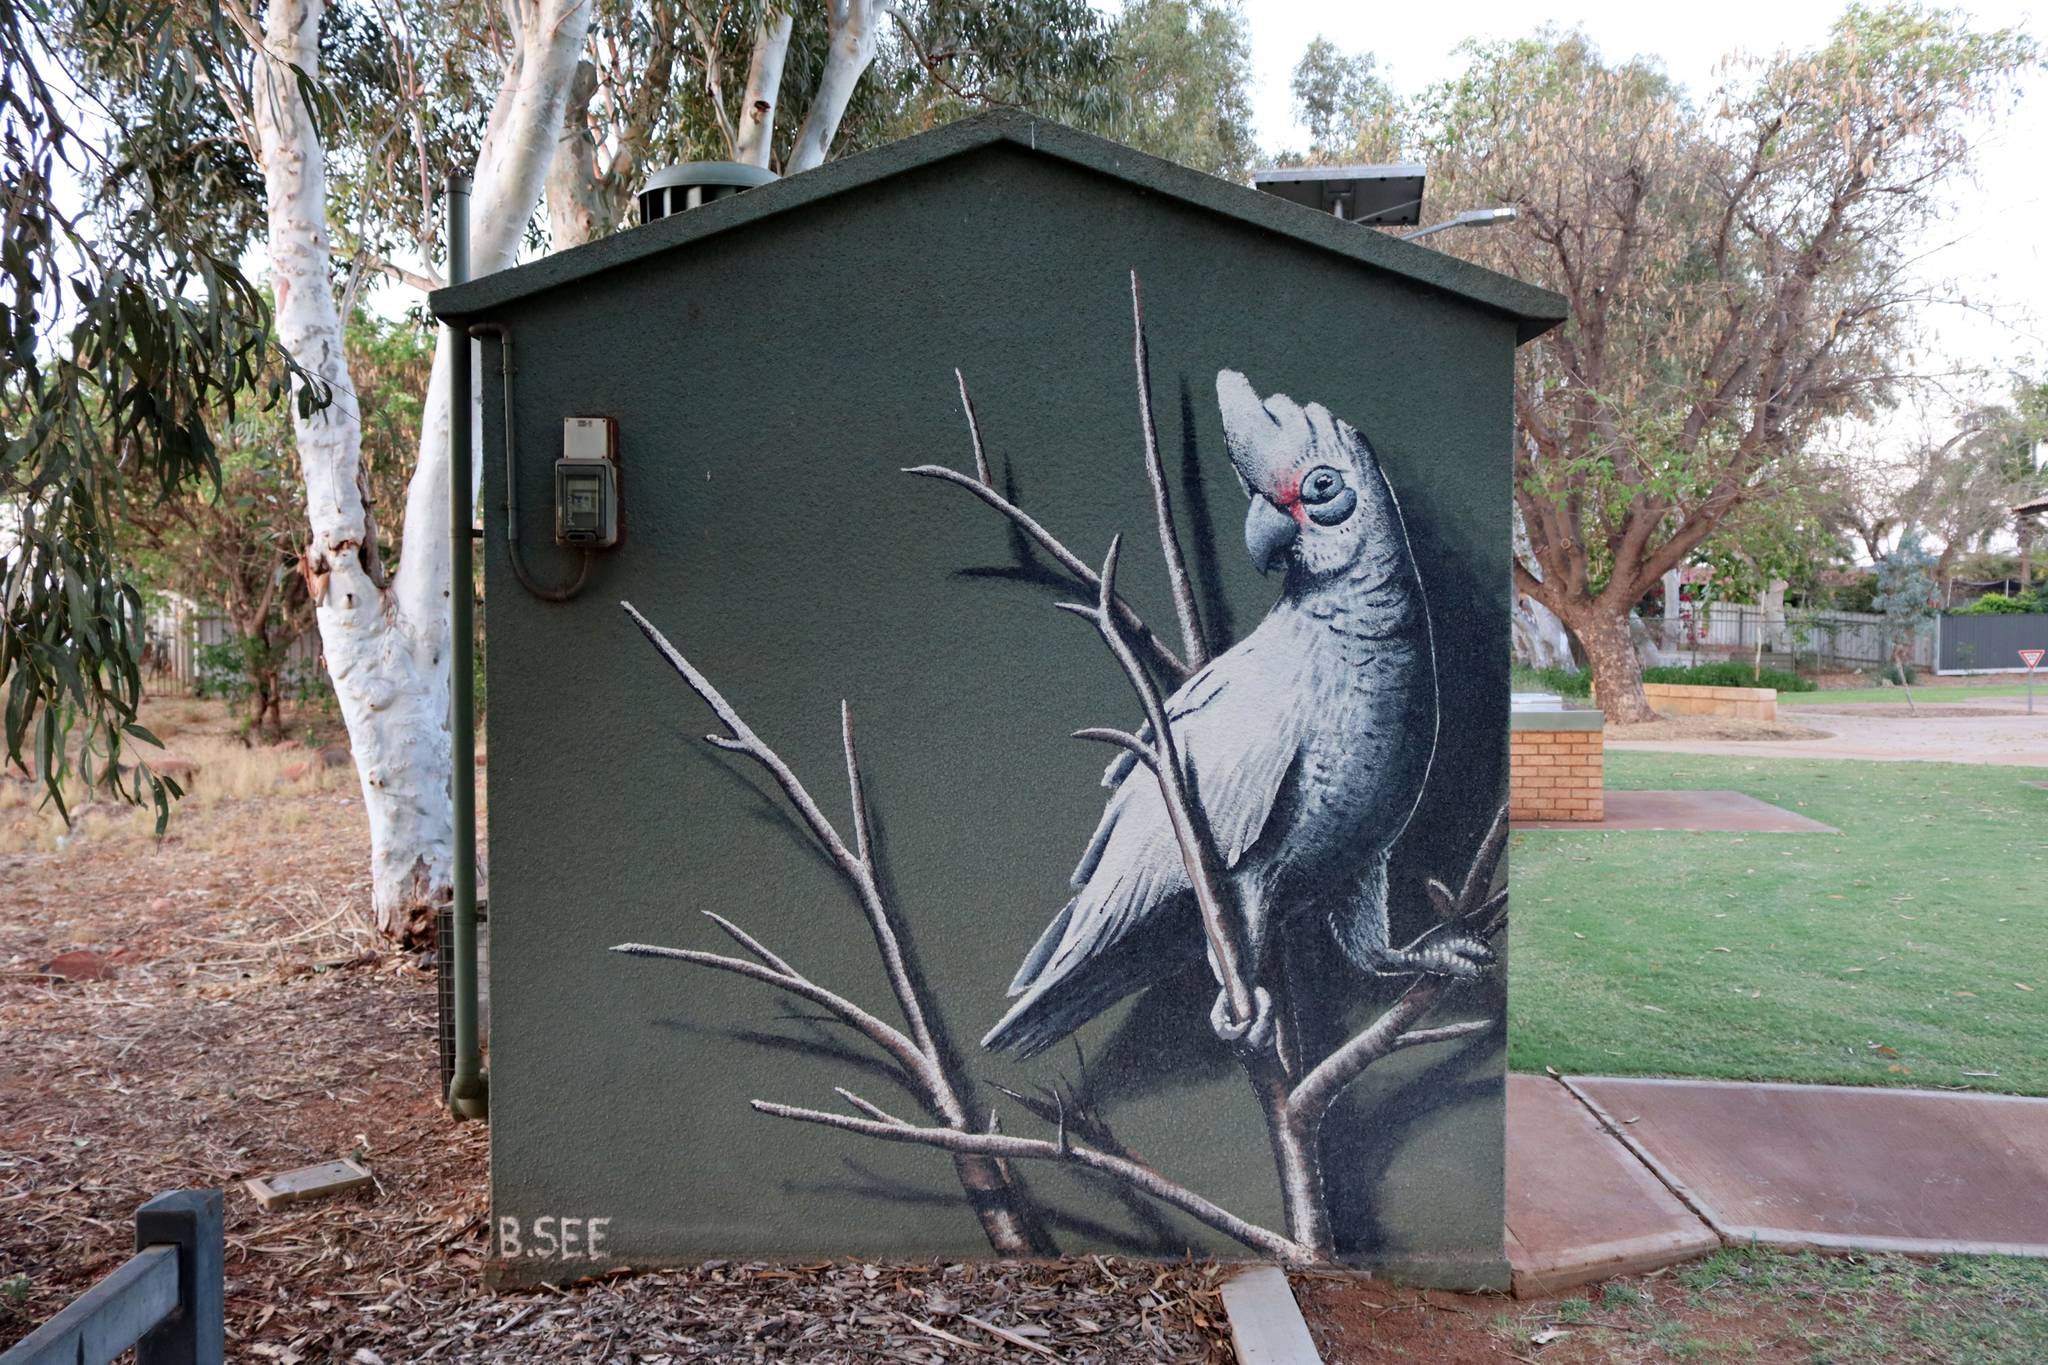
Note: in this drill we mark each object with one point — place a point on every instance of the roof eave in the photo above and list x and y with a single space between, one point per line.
1534 310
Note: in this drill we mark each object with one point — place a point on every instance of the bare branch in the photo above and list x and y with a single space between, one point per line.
1189 828
750 943
856 789
854 866
1191 642
1068 560
1124 740
1131 1173
981 469
916 1066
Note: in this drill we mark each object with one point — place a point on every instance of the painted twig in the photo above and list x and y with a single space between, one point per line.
1192 644
981 484
999 1201
1063 1148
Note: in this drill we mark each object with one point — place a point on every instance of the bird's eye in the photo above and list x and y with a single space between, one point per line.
1324 494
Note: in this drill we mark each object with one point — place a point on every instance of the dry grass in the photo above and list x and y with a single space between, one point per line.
228 769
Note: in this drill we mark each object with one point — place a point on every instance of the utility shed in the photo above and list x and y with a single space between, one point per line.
851 1073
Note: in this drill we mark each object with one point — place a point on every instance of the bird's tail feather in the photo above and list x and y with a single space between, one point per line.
1042 951
1054 1010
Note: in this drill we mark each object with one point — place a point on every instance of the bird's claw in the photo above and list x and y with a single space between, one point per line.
1458 958
1254 1033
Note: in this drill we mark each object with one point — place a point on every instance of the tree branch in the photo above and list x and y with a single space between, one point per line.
998 1200
1137 1176
1191 642
1189 828
915 1064
983 486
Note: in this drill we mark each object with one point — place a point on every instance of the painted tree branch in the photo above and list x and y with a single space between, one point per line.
1194 650
1191 641
999 1201
1205 869
1134 1174
1295 1111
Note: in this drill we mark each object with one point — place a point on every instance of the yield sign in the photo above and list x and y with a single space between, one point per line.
2032 658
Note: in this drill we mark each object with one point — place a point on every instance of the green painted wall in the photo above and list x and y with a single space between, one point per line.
768 384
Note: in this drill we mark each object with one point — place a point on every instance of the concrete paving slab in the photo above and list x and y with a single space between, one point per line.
1713 812
1864 1168
1581 1206
1266 1324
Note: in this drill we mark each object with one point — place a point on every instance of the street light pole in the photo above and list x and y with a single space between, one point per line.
1465 218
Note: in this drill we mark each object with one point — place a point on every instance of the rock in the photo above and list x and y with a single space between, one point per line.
335 756
162 905
294 771
285 745
81 964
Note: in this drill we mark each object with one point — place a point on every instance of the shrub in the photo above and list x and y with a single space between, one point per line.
1566 682
1998 604
1729 674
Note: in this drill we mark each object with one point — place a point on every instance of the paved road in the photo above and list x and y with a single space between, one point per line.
1994 730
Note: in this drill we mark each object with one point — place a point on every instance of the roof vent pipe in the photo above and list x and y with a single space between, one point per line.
695 183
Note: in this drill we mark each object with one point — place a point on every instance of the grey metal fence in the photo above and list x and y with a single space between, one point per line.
1846 638
1989 644
176 632
166 1301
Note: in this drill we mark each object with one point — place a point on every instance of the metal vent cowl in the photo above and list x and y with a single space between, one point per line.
695 183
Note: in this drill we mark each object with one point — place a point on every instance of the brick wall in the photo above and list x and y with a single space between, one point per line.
1554 774
1687 699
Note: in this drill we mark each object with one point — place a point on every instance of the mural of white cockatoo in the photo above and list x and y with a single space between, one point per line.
1307 746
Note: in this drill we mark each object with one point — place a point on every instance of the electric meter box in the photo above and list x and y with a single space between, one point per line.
777 365
587 484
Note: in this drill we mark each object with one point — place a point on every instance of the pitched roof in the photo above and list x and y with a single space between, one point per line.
1535 310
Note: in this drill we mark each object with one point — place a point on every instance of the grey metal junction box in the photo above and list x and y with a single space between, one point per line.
927 975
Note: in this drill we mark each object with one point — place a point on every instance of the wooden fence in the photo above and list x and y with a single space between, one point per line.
166 1301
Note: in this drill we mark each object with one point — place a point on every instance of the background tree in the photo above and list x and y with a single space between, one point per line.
1907 597
235 544
666 81
1350 112
1738 275
127 339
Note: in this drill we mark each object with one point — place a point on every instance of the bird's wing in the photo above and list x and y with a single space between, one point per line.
1238 744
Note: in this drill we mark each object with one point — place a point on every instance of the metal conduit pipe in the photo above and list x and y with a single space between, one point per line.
469 1090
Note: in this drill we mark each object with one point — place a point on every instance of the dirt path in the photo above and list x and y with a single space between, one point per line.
1993 731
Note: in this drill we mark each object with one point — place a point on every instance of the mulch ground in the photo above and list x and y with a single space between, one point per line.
251 1023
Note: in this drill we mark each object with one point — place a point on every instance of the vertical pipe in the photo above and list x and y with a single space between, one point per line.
468 1096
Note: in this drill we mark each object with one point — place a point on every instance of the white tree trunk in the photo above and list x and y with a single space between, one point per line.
387 648
764 88
856 27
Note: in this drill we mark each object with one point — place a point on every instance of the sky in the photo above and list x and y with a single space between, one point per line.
1994 246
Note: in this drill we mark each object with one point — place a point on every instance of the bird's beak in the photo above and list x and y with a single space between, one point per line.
1268 532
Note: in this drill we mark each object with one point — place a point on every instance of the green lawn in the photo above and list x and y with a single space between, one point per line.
1744 1304
1921 693
1907 950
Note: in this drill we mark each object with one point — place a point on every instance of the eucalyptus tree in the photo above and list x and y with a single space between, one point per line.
129 337
1739 273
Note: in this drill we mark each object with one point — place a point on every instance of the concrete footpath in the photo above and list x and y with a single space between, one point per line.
1612 1176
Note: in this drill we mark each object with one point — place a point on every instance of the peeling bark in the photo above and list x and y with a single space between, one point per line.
386 645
